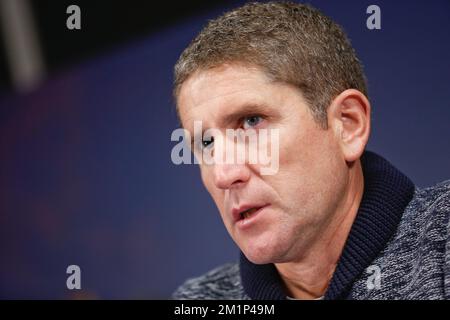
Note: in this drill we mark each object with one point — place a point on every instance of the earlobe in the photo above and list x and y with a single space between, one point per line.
349 114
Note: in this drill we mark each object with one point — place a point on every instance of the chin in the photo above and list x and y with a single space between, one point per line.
263 251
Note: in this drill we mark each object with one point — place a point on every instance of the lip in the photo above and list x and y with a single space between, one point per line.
236 213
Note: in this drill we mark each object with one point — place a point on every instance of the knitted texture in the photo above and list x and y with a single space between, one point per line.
400 231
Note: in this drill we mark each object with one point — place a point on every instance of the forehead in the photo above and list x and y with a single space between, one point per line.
218 90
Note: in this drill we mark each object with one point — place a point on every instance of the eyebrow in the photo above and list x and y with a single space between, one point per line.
243 111
237 113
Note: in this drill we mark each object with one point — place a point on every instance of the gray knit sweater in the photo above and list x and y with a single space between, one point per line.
410 259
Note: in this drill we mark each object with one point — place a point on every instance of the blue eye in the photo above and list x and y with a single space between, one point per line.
252 121
207 142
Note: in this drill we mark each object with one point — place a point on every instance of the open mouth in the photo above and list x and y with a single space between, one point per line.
248 213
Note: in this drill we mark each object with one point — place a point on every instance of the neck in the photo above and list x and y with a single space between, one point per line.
308 278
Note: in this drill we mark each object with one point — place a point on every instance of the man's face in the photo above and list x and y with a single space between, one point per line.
290 208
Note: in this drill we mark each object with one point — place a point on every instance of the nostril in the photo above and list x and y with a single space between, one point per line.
227 176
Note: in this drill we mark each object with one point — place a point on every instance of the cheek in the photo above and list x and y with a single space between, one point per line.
307 163
306 149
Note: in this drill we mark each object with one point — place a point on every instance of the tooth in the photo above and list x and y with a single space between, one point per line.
247 213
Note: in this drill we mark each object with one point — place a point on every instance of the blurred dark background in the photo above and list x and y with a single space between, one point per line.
85 122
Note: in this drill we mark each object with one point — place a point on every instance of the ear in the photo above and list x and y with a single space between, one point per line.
349 118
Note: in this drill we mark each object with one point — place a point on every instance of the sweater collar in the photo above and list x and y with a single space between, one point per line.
387 192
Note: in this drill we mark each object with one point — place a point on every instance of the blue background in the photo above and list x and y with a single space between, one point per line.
85 170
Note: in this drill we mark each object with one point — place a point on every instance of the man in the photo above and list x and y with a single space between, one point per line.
334 221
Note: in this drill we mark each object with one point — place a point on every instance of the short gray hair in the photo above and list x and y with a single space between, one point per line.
290 42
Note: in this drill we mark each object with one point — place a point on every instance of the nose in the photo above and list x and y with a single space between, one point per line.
227 176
